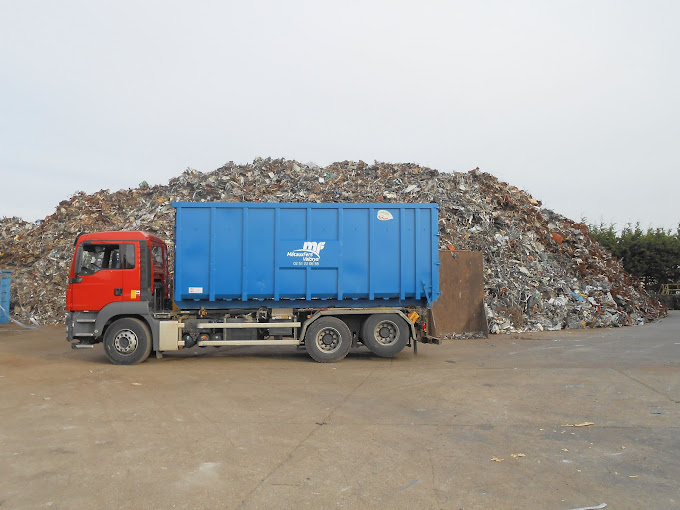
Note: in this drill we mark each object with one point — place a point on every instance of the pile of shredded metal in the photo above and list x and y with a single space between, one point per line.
542 271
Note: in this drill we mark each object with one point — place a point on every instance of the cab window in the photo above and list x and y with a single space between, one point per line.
97 257
157 256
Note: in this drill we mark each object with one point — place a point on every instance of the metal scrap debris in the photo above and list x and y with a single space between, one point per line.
542 270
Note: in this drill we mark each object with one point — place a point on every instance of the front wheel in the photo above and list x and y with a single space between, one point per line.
385 334
328 339
127 342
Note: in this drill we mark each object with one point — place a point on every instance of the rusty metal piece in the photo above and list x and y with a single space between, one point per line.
460 308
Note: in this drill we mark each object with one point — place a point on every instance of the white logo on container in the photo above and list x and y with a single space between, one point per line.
309 249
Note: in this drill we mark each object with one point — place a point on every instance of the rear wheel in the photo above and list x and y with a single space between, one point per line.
328 339
127 342
385 334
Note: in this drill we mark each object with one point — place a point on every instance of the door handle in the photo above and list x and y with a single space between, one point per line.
118 292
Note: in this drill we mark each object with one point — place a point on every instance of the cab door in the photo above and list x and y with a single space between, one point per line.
130 269
101 271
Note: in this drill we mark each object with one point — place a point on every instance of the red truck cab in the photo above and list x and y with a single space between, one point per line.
111 267
114 274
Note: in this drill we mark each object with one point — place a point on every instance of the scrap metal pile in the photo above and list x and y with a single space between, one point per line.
542 271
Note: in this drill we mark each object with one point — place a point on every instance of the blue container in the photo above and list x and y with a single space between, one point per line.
247 255
4 296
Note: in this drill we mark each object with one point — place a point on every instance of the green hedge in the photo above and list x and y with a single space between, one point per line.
653 256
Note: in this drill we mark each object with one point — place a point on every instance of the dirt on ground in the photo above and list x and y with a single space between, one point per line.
557 420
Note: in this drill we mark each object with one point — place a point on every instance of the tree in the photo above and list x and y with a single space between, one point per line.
653 256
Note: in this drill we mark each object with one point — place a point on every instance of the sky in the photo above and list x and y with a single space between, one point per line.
576 102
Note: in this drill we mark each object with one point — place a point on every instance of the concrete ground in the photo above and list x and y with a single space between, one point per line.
257 428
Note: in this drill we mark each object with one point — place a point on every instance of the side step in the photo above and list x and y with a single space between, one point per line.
82 346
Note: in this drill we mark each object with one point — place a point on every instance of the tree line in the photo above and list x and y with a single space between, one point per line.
652 255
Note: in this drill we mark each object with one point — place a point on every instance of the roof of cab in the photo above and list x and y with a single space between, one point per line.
119 235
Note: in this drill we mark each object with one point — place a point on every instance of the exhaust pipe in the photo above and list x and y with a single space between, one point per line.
82 346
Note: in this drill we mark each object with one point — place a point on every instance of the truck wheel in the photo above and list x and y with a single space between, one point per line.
127 342
328 339
385 334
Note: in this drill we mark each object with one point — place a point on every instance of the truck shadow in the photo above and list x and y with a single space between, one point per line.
258 353
223 354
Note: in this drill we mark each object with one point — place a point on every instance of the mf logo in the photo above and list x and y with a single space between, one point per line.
310 248
313 247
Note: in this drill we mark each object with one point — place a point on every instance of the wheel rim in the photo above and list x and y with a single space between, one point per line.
386 332
328 339
125 341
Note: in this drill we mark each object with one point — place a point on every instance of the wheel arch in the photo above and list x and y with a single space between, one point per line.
133 310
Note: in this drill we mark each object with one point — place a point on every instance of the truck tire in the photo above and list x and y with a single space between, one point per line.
127 342
385 334
328 339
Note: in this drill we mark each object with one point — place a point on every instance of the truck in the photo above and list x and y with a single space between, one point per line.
324 277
